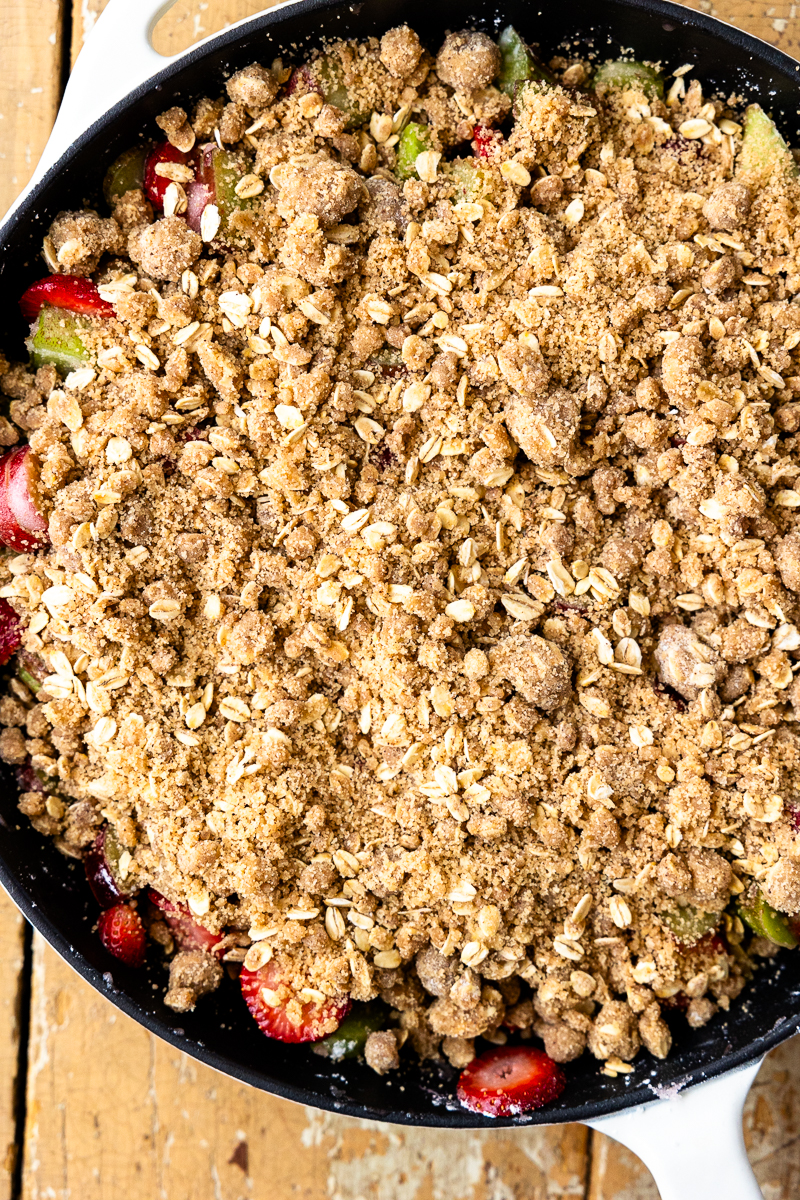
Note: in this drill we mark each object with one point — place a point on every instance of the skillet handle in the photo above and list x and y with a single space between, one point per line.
693 1143
117 57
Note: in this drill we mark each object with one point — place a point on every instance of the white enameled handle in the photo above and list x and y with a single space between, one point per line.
693 1142
118 55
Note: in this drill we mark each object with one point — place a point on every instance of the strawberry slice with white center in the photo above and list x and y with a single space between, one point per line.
285 1015
509 1081
76 294
22 526
122 933
187 932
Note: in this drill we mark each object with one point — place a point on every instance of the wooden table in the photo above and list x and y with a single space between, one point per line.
94 1108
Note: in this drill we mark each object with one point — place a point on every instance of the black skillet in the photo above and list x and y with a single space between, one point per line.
50 890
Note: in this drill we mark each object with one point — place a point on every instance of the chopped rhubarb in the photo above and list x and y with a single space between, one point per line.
414 140
56 340
22 526
101 863
326 76
122 933
217 172
155 185
509 1081
10 632
187 932
301 81
126 174
72 292
280 1012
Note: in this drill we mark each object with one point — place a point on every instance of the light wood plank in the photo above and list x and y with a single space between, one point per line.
155 1123
12 928
185 24
30 73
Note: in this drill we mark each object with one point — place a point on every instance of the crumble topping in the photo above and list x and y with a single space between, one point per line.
422 596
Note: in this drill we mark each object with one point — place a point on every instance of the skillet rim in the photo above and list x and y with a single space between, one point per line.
443 1115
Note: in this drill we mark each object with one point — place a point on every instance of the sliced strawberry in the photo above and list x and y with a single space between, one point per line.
156 185
186 931
510 1080
10 632
122 933
64 291
281 1014
101 864
486 141
22 526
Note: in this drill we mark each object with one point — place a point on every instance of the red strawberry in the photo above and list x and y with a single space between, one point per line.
10 632
485 141
122 933
281 1014
22 526
510 1080
156 185
186 931
64 291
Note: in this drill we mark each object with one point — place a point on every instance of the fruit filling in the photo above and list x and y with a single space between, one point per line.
400 602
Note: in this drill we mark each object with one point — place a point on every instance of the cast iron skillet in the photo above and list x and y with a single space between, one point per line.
52 892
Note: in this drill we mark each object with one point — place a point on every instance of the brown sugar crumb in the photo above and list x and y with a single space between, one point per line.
175 124
380 1051
468 61
165 249
400 50
421 609
192 974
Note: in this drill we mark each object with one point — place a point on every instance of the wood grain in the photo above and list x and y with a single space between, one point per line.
158 1124
113 1112
30 77
12 928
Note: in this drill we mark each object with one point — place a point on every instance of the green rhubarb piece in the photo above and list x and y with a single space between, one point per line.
764 153
28 679
56 339
414 140
767 922
689 924
634 75
126 174
350 1038
517 63
470 179
228 170
330 75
